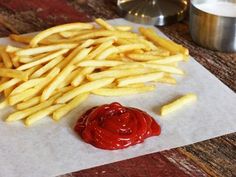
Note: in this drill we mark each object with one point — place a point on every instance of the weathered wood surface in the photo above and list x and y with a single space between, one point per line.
216 157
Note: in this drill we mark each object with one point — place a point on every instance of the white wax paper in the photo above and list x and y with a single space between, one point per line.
50 149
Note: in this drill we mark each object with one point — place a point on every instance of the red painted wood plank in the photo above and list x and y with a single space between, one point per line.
53 11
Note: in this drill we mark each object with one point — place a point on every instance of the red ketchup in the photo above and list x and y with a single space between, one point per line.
112 126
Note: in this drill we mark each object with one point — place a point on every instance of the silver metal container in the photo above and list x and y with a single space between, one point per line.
212 31
153 12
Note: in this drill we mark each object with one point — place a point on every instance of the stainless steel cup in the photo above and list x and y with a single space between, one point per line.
212 31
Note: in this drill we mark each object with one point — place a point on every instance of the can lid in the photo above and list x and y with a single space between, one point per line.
153 12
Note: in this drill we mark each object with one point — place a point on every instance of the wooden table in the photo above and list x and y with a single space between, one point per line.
215 157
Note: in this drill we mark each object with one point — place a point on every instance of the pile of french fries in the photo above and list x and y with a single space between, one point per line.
58 68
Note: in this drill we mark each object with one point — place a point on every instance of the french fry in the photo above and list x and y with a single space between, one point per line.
143 57
6 59
74 53
11 49
129 47
20 38
12 73
81 76
122 91
164 68
124 28
105 39
139 79
29 93
167 80
54 84
57 29
105 33
159 51
26 85
100 49
87 87
72 33
67 81
28 59
177 104
47 67
104 24
98 63
8 91
29 103
59 113
42 60
48 48
1 65
167 44
170 59
3 104
41 114
36 100
119 73
9 83
18 115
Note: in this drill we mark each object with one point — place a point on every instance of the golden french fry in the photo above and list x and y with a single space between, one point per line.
105 39
98 63
100 49
104 24
48 48
159 52
20 38
105 33
11 49
129 47
6 59
165 43
139 79
177 104
122 91
107 52
47 67
9 83
36 100
72 26
170 59
26 85
18 115
29 103
77 80
3 104
73 55
41 114
143 57
42 60
29 93
59 113
118 73
72 33
164 68
87 87
12 73
1 65
80 56
28 58
47 92
124 28
167 80
8 91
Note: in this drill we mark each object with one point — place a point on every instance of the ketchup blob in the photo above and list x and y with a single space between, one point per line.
113 126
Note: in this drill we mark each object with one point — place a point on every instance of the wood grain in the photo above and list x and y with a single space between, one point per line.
215 157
